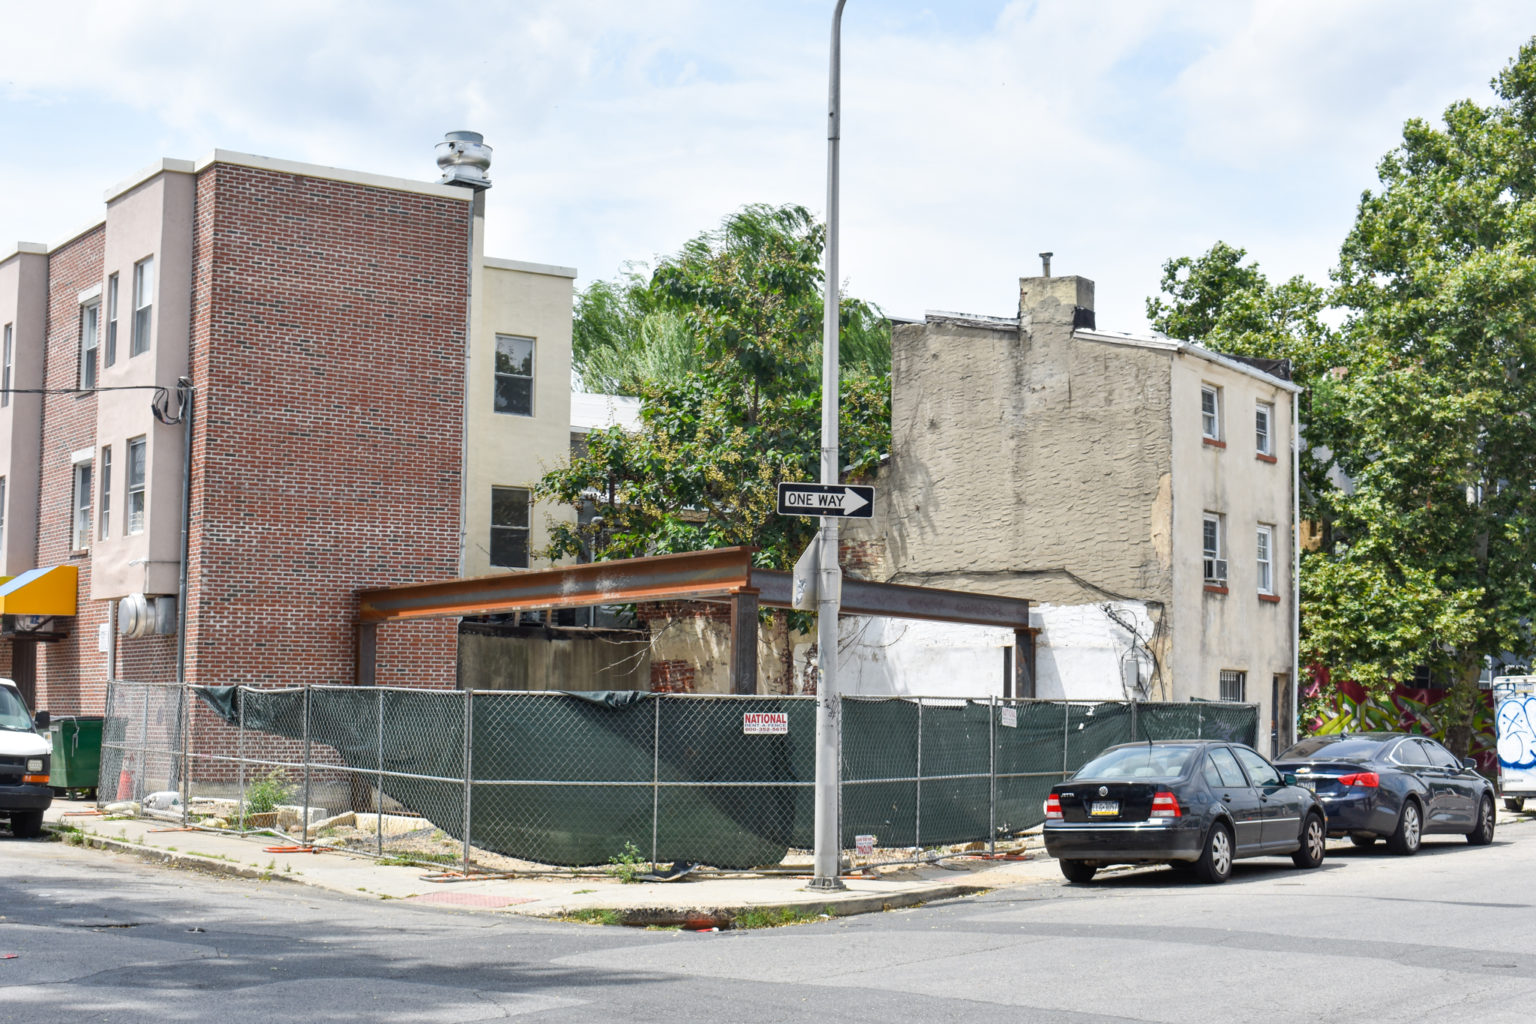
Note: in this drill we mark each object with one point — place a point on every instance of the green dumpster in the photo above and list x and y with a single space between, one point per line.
76 753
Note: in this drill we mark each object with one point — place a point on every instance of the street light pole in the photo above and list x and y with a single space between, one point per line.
829 585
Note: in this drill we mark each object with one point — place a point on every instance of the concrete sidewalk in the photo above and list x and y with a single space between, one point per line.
692 902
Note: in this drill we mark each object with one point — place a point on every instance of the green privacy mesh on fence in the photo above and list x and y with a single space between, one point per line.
569 779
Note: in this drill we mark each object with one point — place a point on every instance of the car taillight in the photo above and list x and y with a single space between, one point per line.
1370 780
1053 807
1165 805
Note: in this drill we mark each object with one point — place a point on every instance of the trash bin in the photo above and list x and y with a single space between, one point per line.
76 753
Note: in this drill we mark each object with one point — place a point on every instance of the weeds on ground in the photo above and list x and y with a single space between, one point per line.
777 917
627 865
263 796
594 915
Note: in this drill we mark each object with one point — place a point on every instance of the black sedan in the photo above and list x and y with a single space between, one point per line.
1196 804
1393 786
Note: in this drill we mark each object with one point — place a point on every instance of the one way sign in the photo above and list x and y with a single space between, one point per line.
846 501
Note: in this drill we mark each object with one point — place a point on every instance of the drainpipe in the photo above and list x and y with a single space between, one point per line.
1295 567
185 392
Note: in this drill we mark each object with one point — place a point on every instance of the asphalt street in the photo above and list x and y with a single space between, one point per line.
1444 936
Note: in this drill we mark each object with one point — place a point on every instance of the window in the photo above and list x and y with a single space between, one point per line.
104 516
514 375
1266 539
90 335
1260 771
1215 563
1263 436
1234 685
509 527
143 304
5 370
1210 412
1226 768
138 455
110 355
80 527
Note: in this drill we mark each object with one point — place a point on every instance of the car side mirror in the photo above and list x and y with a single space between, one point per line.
1469 762
1289 778
41 719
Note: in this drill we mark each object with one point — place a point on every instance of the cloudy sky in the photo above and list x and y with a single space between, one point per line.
976 133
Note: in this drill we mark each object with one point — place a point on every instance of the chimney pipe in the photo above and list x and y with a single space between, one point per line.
1045 264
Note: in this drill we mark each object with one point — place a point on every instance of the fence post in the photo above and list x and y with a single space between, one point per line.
1199 722
378 791
139 787
655 776
1066 734
469 766
305 808
917 808
1134 734
186 752
240 752
992 774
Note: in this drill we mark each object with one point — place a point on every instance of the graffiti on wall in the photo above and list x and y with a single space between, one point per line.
1516 718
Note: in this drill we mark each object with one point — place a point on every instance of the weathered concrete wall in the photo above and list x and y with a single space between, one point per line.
552 663
705 643
910 658
1086 651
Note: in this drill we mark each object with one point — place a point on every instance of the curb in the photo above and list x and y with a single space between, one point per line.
175 859
723 917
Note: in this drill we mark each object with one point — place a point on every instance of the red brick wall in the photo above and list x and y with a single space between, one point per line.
672 676
328 346
69 672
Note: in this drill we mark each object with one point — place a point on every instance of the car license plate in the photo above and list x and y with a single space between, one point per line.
1307 784
1102 808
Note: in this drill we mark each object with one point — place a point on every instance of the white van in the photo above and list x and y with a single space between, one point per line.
1515 717
25 751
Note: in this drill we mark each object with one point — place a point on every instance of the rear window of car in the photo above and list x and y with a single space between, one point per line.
1342 748
1154 763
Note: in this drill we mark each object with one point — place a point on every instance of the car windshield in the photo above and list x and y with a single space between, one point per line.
1334 748
1159 763
13 713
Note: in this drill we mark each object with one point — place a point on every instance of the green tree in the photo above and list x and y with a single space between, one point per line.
715 440
1425 401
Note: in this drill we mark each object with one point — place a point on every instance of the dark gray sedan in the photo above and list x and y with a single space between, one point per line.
1196 804
1393 786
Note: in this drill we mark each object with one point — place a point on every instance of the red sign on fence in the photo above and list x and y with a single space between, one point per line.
760 723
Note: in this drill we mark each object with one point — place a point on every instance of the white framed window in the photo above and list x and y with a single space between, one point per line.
514 375
1234 685
109 346
143 304
1266 558
5 369
138 457
104 513
1213 548
1210 412
80 509
1263 428
90 339
509 527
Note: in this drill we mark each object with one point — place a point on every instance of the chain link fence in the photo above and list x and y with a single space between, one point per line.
504 781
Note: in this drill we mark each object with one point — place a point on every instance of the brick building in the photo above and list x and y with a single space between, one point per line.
338 330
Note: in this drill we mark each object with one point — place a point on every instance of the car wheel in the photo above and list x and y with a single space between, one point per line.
1363 841
1482 832
1079 870
1515 803
1405 839
26 824
1215 863
1314 844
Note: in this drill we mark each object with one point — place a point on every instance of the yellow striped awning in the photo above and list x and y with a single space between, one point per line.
46 591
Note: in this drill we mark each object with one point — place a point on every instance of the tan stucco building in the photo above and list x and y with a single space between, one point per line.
1139 489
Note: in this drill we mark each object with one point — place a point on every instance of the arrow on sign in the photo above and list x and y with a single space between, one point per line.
846 501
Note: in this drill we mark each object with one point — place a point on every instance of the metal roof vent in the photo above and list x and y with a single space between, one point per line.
464 158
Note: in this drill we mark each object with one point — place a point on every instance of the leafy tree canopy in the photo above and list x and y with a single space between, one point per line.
1426 399
721 430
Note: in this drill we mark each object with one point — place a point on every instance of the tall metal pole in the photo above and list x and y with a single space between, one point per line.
829 586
